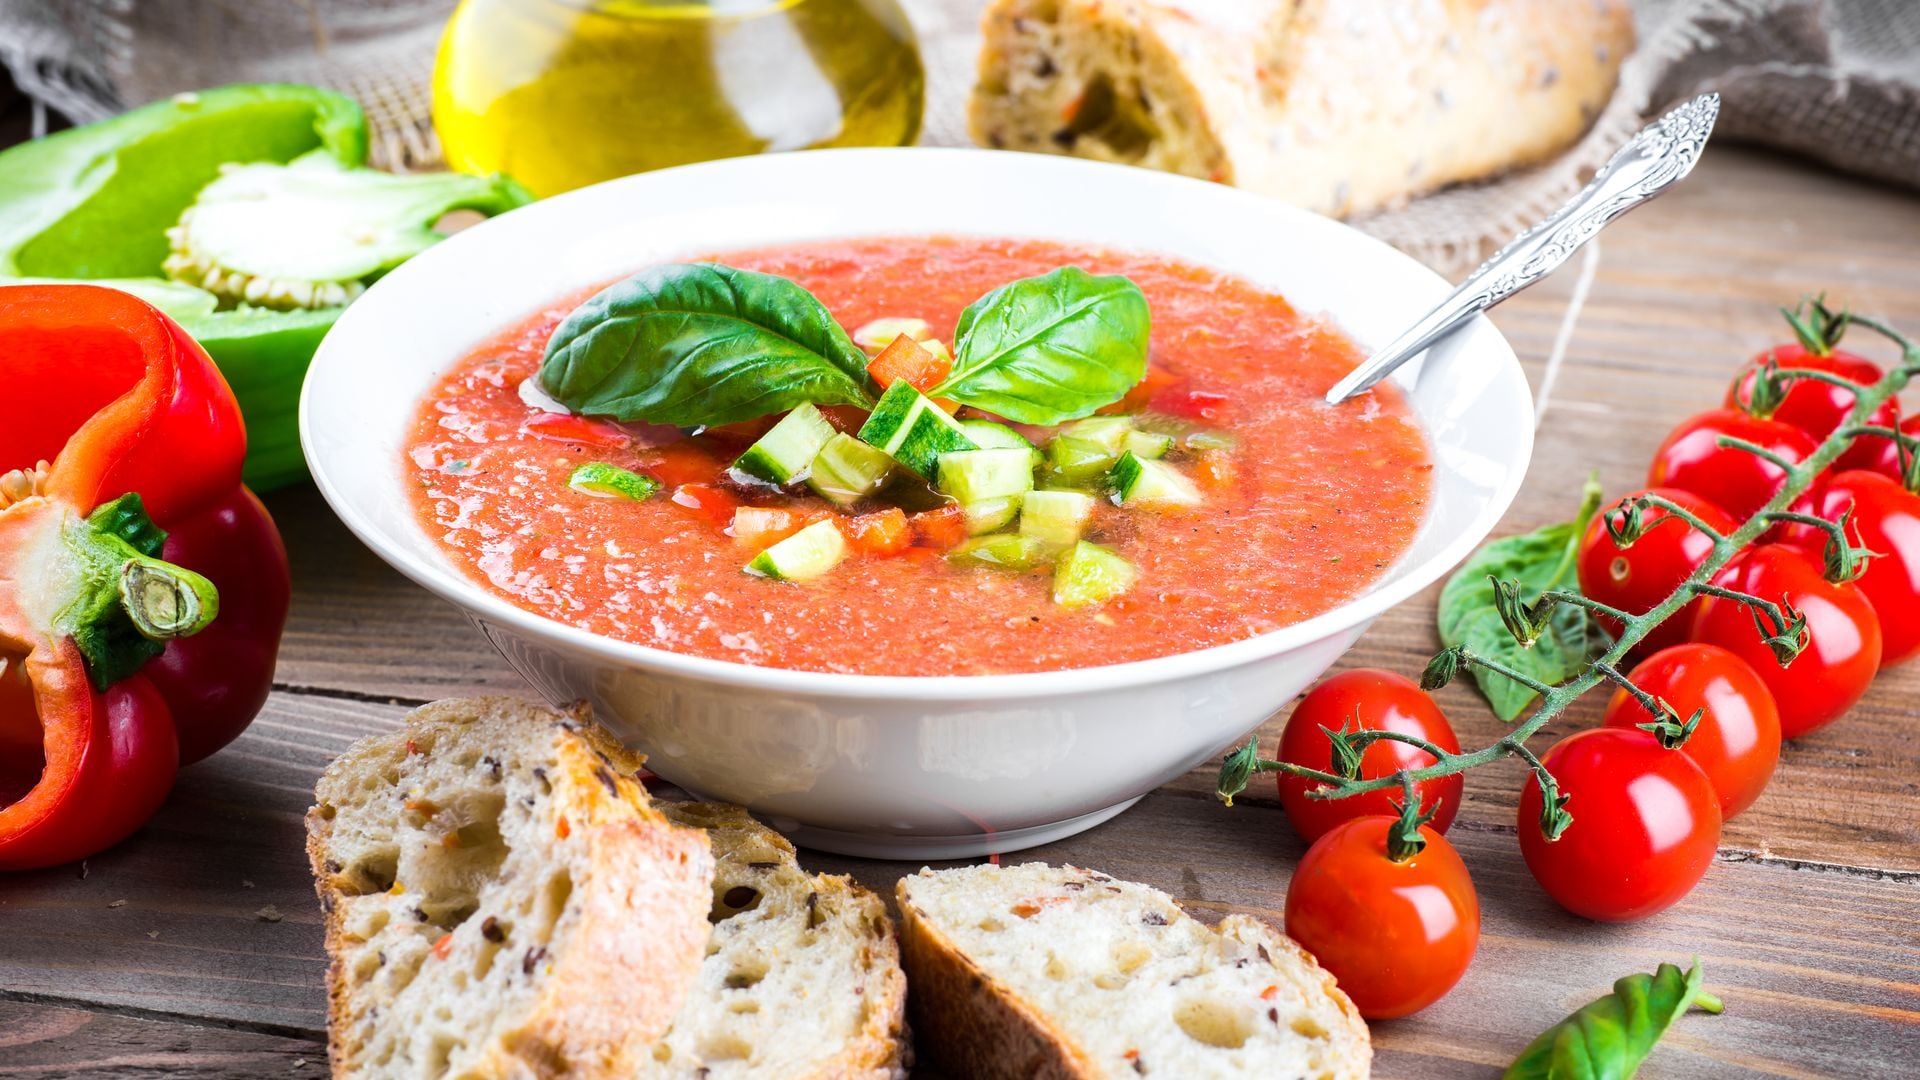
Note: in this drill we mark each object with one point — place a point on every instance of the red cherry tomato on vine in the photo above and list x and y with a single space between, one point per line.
1843 635
1737 481
1886 519
1737 742
1819 408
1397 935
1889 463
1646 824
1637 578
1366 699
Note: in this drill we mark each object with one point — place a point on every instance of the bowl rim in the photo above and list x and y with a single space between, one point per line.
479 604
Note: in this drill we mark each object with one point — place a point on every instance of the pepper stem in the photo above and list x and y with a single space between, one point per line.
129 600
166 601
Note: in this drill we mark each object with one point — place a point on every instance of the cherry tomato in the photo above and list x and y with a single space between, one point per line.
1886 519
1646 823
1843 648
1737 481
1818 408
1366 699
1637 578
1397 935
1738 741
1889 464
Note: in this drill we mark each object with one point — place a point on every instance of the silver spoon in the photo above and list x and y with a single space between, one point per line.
1659 156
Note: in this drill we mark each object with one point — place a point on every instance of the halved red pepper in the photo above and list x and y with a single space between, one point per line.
143 589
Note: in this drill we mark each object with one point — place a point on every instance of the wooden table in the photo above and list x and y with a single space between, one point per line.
195 946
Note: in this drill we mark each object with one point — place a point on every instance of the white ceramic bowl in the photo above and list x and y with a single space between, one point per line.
904 767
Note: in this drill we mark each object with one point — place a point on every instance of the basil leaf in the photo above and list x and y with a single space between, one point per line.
1047 349
1541 560
699 344
1609 1038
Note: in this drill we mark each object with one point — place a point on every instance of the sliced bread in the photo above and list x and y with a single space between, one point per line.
1036 971
501 899
802 978
1340 106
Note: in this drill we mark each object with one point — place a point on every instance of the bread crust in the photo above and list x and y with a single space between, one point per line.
1340 106
641 902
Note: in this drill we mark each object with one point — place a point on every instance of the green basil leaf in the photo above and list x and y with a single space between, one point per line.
1048 349
1541 560
1609 1038
699 344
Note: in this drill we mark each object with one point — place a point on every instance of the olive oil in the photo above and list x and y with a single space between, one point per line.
564 93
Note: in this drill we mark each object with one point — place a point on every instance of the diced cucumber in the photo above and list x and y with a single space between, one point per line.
1152 484
879 333
992 436
1009 551
604 481
752 522
1077 460
913 430
1207 440
1090 574
847 470
1108 432
986 515
1147 445
803 556
783 454
1055 518
973 475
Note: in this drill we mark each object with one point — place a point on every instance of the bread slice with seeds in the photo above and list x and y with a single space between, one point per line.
1036 971
501 899
802 978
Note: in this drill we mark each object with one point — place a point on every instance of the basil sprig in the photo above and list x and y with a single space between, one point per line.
1043 350
700 344
1540 560
1607 1039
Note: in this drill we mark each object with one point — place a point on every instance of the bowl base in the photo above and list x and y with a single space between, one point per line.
933 848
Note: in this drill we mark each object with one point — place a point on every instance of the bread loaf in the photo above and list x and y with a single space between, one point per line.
1339 106
1033 971
501 899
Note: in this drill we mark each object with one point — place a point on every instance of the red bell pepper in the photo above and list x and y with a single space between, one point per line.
143 589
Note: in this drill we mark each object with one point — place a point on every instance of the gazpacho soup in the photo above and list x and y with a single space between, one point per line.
920 456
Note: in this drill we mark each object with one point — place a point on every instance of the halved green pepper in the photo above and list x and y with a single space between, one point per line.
97 202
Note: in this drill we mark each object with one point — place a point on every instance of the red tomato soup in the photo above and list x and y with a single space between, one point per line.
1304 510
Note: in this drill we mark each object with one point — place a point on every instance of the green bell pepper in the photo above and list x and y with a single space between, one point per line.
96 203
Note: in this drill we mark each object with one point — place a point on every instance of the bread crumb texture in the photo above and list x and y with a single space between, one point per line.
1035 970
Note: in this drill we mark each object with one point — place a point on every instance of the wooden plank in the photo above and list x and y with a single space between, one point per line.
1793 950
54 1043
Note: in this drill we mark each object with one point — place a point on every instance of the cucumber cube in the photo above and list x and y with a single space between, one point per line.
1077 461
913 430
992 436
1147 445
1108 432
604 481
803 556
1090 574
1055 518
1152 485
783 454
973 475
1009 551
879 333
986 515
847 470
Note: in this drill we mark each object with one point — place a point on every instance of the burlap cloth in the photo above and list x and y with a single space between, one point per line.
1836 80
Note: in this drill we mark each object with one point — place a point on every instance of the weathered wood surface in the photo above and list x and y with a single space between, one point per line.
1809 925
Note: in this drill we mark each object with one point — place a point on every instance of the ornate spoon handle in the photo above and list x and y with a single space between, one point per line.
1656 158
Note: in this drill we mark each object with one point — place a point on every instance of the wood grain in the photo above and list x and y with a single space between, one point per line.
1809 925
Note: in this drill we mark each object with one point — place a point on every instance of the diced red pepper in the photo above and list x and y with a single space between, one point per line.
577 430
685 462
942 528
1213 468
883 533
706 503
905 358
1190 403
1141 396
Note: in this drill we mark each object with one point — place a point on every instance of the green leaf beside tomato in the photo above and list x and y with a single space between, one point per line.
1607 1039
1540 560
